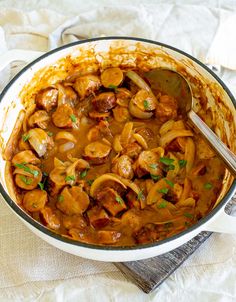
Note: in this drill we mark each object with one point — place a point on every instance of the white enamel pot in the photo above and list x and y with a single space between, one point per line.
122 51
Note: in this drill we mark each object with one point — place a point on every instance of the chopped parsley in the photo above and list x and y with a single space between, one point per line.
60 198
208 186
140 195
163 191
73 118
25 137
146 104
70 178
41 185
153 166
166 161
83 173
27 181
27 169
188 215
162 205
119 200
90 181
169 182
111 86
182 163
155 177
50 133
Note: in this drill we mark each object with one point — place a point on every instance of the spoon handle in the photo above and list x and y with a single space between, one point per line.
221 149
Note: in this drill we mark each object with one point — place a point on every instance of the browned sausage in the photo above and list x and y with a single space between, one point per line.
50 218
146 163
123 167
26 156
74 221
146 133
98 217
86 85
66 95
47 99
104 101
96 152
121 114
111 201
27 180
132 150
112 77
35 200
166 108
63 117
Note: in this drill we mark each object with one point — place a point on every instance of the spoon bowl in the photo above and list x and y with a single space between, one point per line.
172 83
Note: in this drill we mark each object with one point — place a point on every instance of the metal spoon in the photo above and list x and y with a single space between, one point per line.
174 84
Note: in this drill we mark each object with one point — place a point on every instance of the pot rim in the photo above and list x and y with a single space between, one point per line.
16 208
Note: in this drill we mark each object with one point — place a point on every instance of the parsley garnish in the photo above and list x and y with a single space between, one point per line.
155 177
73 118
166 161
162 205
27 181
50 133
163 191
25 137
90 181
111 86
27 169
182 163
169 182
83 173
188 215
41 185
70 177
60 198
146 104
208 185
119 200
140 195
153 166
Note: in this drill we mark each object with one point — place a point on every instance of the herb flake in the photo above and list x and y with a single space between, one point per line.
73 118
49 133
182 163
146 104
83 174
70 178
169 182
188 215
111 86
119 200
90 181
155 177
166 161
27 181
60 198
153 166
208 186
140 195
25 137
163 191
162 205
41 185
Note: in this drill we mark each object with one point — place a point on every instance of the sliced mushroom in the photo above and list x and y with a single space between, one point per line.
86 85
123 167
112 77
64 116
40 141
98 217
40 119
35 200
47 99
26 156
73 201
147 163
97 152
111 201
166 108
104 102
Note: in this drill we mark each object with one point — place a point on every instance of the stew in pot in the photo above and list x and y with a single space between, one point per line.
105 159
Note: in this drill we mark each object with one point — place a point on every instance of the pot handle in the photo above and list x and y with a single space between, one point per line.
18 55
223 223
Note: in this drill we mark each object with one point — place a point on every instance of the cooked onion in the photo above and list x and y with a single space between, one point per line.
66 147
140 140
126 134
136 112
116 144
65 135
167 126
171 135
38 139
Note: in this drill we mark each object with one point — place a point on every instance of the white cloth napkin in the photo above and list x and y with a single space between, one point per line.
30 269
